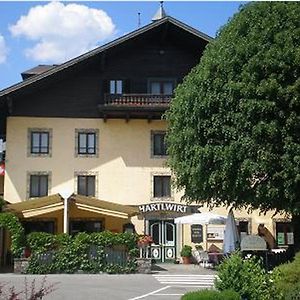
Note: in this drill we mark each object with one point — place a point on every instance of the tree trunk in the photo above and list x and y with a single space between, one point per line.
296 228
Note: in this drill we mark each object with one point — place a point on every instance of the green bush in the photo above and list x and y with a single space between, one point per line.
293 293
40 241
212 295
186 251
85 252
13 225
288 278
247 277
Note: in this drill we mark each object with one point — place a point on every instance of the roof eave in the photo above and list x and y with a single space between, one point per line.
100 49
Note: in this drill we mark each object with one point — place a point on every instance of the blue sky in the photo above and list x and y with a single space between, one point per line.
52 33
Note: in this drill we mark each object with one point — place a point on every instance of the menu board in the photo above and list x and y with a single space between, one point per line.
215 232
197 233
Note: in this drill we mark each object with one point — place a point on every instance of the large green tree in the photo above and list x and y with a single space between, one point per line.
234 124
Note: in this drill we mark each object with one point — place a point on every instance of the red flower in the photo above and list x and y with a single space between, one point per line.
145 240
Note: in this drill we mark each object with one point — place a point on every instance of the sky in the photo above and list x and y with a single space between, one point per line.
33 33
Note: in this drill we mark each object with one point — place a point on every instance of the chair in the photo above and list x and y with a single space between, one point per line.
201 257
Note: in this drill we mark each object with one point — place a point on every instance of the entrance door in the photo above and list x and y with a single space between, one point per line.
163 233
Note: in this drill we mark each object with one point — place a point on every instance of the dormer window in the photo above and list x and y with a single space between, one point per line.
115 87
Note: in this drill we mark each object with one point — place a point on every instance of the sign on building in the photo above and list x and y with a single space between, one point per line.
163 206
196 233
215 232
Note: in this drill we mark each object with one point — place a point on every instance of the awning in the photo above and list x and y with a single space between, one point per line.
38 206
104 207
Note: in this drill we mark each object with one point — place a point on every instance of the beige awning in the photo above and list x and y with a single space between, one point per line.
37 206
104 207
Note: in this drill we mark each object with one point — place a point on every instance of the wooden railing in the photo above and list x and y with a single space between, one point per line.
137 100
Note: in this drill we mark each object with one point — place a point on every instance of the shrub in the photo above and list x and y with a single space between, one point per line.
212 295
288 278
86 252
40 241
13 225
247 277
186 251
293 293
31 290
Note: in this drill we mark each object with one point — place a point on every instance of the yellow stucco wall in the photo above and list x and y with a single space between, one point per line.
124 166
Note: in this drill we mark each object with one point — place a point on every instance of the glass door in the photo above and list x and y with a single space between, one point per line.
155 232
169 240
163 233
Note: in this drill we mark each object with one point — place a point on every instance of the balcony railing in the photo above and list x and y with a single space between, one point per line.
145 100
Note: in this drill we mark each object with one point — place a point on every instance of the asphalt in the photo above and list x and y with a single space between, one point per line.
165 283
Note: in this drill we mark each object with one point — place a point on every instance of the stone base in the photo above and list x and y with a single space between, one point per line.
20 265
144 265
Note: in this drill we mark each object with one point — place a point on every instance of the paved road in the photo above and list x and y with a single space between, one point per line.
164 284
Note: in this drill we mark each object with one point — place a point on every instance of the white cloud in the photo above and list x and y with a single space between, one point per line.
63 31
3 50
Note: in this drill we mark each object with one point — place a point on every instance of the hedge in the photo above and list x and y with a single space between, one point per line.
84 252
13 225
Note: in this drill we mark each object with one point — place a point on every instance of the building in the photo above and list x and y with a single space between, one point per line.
92 129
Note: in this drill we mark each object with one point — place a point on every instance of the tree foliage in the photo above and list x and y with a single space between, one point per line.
234 124
11 222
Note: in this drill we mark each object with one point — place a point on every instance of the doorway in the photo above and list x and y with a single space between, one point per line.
163 233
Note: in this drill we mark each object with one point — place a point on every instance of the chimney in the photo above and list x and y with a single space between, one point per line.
161 13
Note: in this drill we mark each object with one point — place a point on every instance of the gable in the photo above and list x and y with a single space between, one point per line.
176 30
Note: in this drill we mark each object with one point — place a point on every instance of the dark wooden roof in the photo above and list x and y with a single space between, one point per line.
59 68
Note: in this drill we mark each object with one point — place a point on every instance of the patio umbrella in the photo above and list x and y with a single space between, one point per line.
201 218
231 235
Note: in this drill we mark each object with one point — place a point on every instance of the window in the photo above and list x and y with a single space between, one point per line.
158 144
39 226
39 142
2 149
86 185
284 233
86 143
162 186
85 226
243 228
162 87
116 86
38 186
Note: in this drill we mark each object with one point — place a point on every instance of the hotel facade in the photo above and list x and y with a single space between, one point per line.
84 143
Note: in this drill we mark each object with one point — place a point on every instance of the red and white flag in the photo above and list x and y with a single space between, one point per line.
2 169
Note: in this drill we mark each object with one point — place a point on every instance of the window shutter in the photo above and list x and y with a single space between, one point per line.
105 86
126 85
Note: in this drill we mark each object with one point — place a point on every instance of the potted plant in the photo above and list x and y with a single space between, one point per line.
186 253
144 241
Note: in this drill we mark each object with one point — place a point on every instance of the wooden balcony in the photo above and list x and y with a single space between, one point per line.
137 100
139 106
